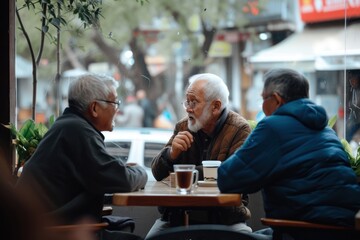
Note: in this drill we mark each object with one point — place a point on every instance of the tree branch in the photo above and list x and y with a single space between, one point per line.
34 71
42 35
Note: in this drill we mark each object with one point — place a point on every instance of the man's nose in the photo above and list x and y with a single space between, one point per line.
189 110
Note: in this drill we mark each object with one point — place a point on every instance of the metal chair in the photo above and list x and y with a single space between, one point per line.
204 232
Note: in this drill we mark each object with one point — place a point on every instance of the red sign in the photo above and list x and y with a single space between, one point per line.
327 10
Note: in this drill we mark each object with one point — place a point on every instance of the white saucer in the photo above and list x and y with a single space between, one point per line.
207 183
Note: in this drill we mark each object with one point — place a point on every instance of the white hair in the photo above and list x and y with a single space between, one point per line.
89 87
215 87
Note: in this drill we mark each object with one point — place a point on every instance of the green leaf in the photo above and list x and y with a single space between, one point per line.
45 28
28 137
55 22
357 157
354 160
27 129
252 124
63 21
332 121
41 129
348 150
51 120
12 129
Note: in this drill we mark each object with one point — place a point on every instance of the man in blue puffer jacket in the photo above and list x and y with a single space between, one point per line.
294 158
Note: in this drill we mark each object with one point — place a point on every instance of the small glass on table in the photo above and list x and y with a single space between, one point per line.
186 178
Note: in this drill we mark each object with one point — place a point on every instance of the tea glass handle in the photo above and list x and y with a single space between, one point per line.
196 178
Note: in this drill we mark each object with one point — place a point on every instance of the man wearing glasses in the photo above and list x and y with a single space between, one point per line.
210 131
71 170
301 167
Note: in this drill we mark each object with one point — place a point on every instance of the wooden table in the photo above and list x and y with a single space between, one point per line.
161 194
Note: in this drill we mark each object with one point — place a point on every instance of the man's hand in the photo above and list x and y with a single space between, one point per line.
131 164
181 142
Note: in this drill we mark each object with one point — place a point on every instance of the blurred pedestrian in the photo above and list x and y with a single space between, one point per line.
150 112
132 114
353 122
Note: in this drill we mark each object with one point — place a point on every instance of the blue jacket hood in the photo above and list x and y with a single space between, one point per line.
308 113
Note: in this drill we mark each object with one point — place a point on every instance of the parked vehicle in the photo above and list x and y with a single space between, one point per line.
137 145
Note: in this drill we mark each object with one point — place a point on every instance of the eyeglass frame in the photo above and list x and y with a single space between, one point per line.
191 104
268 97
273 95
117 102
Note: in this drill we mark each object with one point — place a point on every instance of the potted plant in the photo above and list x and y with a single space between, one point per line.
27 138
354 157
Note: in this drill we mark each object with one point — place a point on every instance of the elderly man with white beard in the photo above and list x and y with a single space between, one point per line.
210 131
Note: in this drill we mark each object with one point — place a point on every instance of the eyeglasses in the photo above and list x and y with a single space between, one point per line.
268 97
189 104
116 103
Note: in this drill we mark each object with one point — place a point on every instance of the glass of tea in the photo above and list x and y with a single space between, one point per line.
186 178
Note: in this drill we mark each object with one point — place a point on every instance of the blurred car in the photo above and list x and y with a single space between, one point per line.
137 145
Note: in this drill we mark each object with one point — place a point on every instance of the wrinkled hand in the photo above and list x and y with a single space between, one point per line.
181 142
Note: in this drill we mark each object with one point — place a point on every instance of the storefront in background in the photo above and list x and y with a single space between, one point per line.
325 51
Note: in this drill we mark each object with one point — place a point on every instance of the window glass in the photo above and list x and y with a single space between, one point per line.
119 149
150 151
161 44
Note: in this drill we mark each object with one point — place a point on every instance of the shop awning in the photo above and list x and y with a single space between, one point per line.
315 48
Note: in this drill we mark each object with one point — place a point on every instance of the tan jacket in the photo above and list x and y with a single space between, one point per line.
230 133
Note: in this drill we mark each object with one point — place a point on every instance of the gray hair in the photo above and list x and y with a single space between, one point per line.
215 87
88 87
288 83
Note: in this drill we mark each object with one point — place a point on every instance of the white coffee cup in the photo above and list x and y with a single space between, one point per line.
172 180
210 168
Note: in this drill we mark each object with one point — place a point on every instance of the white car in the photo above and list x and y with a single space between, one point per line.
137 145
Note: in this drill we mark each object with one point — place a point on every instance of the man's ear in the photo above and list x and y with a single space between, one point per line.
279 99
93 108
216 105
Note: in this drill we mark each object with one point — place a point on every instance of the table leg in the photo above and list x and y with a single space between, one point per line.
179 217
186 218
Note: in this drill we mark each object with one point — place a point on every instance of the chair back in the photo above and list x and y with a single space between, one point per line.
308 230
204 232
271 222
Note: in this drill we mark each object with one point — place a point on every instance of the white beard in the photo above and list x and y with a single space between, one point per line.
196 126
200 122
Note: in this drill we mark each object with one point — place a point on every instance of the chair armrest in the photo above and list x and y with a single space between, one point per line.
299 224
89 226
